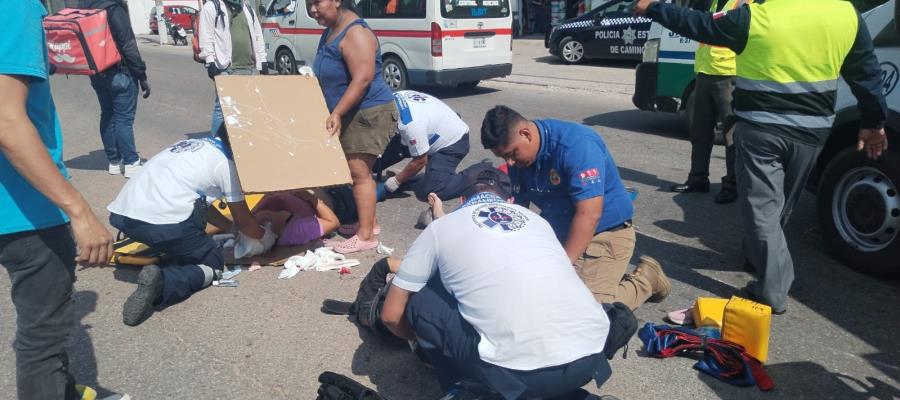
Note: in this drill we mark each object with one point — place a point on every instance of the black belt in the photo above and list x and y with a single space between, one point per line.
624 225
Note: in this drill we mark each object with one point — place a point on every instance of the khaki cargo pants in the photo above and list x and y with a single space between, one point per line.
603 268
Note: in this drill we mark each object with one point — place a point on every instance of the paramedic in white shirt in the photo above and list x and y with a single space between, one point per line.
165 207
489 295
436 139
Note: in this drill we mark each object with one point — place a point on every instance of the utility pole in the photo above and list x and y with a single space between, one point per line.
161 23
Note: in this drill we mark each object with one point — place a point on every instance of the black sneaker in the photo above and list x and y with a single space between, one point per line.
726 195
139 305
749 292
425 219
691 187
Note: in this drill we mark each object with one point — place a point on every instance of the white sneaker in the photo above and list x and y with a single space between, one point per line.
114 169
132 169
117 397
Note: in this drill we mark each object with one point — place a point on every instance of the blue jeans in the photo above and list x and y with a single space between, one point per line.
117 92
217 118
185 244
41 266
450 343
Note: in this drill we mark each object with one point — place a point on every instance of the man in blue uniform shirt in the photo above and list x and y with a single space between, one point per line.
566 170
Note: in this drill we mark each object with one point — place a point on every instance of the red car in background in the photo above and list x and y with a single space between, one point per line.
180 15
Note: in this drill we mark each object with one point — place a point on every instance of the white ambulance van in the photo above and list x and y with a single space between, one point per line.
423 42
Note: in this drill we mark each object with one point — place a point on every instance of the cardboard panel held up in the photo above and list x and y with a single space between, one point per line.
276 125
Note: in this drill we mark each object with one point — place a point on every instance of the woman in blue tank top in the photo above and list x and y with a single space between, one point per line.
348 66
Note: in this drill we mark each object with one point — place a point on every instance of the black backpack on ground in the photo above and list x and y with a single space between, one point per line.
339 387
622 326
369 300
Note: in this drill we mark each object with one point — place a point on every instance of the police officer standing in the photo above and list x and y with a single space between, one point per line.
566 170
790 56
715 69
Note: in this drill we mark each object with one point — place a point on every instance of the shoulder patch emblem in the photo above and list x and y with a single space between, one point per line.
589 176
497 216
417 97
186 145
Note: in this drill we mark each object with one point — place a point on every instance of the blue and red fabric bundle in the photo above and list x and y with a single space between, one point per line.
722 359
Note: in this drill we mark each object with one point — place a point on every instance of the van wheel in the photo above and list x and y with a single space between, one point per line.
858 206
571 51
394 73
467 85
285 63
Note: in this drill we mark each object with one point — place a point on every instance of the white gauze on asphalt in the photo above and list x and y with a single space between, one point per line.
323 259
246 246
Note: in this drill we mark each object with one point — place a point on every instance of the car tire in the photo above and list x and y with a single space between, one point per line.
467 85
571 51
858 206
394 73
285 63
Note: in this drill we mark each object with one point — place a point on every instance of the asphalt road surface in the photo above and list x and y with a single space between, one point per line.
267 339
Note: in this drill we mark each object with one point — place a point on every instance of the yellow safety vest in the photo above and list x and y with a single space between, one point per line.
716 60
788 72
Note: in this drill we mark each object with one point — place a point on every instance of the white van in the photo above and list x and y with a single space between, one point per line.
423 42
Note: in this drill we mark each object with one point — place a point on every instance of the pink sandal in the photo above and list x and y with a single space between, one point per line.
350 229
355 244
681 317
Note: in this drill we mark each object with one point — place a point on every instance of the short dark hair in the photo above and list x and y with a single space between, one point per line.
496 125
349 5
483 177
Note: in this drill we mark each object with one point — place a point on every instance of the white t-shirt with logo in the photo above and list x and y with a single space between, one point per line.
514 284
165 189
426 124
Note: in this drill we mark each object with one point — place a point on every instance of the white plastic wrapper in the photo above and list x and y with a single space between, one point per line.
246 246
384 250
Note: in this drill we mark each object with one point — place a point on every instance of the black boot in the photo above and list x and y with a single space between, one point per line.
691 187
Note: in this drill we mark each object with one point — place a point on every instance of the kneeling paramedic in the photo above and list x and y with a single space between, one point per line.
164 207
466 309
567 171
436 139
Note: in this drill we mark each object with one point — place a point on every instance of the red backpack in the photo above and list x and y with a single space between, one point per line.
79 42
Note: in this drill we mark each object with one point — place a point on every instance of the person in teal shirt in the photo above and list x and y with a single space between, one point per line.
42 216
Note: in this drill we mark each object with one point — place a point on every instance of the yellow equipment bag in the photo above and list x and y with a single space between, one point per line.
709 311
748 324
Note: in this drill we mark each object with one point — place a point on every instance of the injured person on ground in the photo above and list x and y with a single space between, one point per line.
297 217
